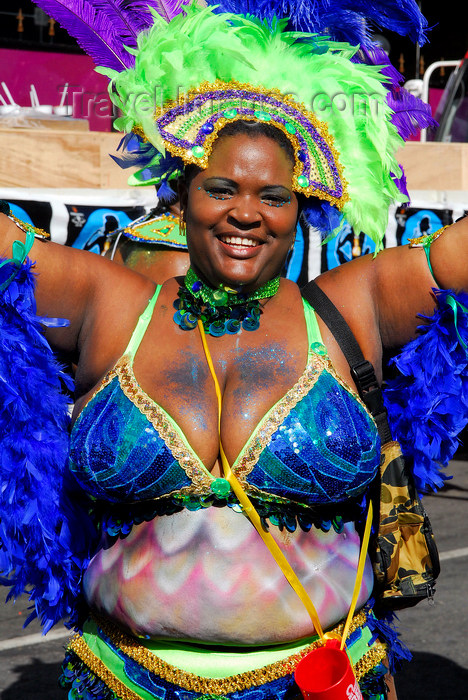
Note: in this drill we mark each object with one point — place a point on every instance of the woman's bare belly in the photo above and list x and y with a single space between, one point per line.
207 576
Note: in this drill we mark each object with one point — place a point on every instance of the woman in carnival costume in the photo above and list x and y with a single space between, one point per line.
221 389
153 244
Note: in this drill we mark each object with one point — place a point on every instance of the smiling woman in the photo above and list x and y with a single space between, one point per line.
216 412
241 212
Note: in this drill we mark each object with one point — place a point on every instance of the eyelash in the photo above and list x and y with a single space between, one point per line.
222 194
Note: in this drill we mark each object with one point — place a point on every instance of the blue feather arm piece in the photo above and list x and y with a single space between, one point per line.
46 534
428 403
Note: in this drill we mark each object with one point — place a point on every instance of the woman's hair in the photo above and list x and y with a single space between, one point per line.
252 129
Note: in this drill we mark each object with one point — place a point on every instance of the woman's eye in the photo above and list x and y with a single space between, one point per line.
275 200
219 193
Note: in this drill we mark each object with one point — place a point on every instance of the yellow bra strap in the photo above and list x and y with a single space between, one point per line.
270 542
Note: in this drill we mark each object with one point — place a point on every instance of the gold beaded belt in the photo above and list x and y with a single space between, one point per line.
108 653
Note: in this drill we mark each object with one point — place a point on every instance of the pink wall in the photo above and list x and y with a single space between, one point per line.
48 72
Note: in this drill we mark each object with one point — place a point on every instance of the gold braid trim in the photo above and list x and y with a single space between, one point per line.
217 686
376 654
81 649
427 239
38 232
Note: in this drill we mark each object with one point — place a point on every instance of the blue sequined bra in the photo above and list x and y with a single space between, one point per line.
316 446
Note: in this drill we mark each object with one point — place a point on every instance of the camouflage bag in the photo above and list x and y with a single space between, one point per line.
403 551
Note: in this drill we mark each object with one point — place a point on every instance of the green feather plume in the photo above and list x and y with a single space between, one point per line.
198 46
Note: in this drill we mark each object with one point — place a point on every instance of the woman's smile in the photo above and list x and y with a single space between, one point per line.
238 242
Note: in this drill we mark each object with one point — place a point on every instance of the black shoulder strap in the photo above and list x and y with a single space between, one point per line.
362 370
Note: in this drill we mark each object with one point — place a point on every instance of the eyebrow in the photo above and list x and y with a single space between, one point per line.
232 183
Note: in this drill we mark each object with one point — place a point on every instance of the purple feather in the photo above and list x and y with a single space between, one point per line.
374 54
168 9
409 113
104 28
400 182
101 29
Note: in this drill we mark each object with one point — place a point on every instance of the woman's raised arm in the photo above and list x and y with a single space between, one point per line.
75 285
388 293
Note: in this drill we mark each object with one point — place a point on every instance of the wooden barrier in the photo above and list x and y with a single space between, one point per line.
435 166
60 158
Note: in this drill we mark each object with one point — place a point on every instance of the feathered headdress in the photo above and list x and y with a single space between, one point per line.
203 70
180 72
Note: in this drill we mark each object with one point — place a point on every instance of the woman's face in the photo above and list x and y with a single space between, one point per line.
241 212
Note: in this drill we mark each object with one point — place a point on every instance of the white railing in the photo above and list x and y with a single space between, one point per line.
426 79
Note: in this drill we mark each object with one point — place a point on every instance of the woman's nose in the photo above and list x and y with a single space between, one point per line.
245 212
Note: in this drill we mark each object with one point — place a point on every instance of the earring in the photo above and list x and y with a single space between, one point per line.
182 228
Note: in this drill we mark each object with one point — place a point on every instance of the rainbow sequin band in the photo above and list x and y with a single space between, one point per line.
108 664
189 128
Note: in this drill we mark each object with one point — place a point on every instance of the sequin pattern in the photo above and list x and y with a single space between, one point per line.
124 447
317 445
320 446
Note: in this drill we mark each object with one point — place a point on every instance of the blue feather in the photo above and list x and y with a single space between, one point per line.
343 20
324 217
166 194
137 153
428 402
46 534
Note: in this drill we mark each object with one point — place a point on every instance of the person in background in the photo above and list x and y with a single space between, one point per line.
153 245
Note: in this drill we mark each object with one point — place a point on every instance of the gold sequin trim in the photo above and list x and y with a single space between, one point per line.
81 649
218 686
275 418
319 126
180 450
376 654
427 239
38 232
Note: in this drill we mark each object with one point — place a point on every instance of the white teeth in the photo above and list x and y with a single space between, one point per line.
237 240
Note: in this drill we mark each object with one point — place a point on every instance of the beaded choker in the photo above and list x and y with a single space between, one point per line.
222 310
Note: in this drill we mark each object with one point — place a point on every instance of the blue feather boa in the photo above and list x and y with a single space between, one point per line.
428 402
46 535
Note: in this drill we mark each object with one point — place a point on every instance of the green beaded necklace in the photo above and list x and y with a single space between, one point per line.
221 310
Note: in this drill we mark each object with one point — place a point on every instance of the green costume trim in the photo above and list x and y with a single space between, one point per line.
160 230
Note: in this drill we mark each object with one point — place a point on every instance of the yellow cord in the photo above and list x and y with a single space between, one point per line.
270 542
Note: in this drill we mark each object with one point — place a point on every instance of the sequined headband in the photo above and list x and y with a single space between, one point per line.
190 126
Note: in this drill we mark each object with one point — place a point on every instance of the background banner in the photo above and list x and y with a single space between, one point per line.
83 217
